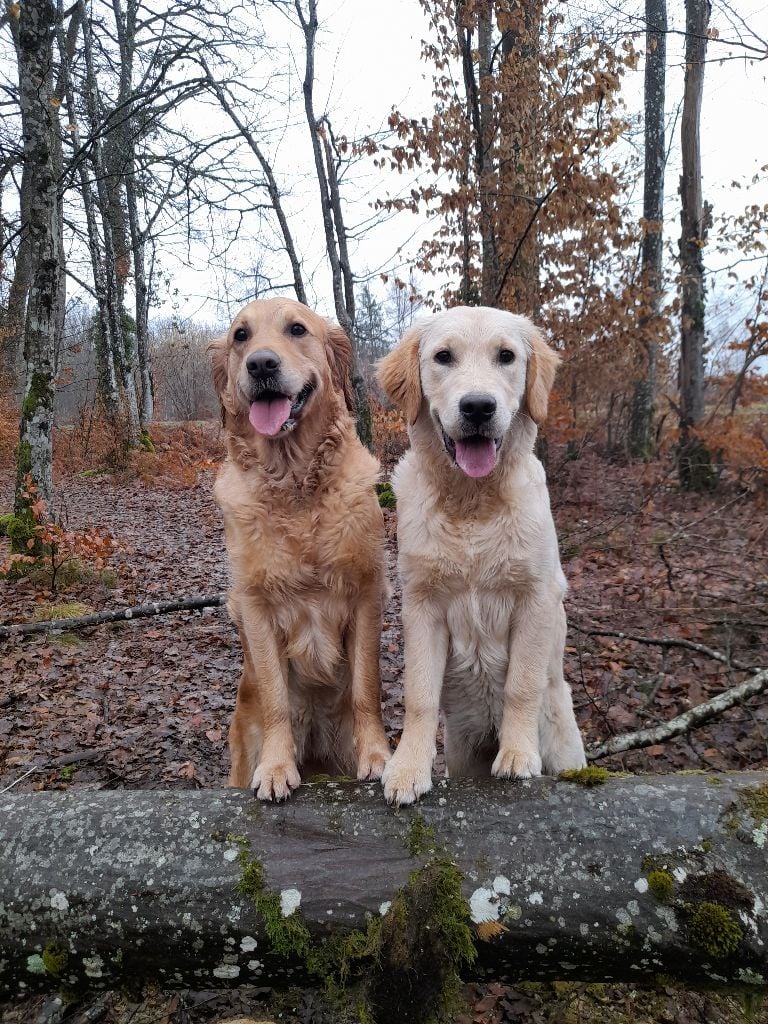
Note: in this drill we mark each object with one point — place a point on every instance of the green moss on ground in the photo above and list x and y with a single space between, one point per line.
386 495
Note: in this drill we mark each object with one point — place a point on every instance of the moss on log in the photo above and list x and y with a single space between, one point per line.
533 880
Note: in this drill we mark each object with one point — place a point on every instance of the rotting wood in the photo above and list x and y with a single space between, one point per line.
101 889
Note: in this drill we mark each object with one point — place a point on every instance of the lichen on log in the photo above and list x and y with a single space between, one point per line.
549 879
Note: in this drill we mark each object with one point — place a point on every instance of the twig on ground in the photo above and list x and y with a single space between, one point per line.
690 719
139 611
666 641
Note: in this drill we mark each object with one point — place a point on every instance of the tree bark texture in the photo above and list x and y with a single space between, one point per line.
558 880
692 240
44 309
652 251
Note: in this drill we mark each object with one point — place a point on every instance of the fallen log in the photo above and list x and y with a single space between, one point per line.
629 879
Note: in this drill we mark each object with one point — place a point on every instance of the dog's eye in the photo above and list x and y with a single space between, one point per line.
298 330
443 357
506 356
241 334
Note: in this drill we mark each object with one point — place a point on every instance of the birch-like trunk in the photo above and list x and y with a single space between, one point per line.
694 465
641 440
113 256
44 312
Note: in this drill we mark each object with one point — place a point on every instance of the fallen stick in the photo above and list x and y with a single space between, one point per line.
554 879
691 719
139 611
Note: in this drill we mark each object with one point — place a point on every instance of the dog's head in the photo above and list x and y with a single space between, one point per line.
473 372
274 364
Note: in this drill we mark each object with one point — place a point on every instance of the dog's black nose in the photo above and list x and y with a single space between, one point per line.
264 363
477 408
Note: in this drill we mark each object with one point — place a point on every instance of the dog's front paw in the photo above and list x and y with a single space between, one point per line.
275 781
372 760
405 780
516 764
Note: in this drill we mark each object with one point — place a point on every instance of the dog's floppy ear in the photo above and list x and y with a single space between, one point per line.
338 350
218 352
398 374
539 374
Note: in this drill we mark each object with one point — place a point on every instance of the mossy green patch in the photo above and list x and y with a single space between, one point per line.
403 965
592 775
288 936
61 610
662 885
386 495
713 928
146 442
55 959
420 838
755 800
717 887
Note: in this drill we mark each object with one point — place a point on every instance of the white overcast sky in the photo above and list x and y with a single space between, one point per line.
369 61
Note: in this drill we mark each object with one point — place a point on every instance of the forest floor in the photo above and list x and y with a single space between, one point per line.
146 704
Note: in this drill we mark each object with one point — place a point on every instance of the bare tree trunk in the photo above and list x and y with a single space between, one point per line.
12 336
694 464
479 95
519 288
642 437
333 223
114 252
42 155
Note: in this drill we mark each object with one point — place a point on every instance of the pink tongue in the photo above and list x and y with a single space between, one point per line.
267 417
476 456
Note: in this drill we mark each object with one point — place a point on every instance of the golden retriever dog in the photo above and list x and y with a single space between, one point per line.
305 538
483 588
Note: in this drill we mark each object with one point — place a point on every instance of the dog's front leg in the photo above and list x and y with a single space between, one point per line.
263 703
409 774
371 747
529 652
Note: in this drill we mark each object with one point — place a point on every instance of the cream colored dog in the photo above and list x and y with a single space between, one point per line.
483 588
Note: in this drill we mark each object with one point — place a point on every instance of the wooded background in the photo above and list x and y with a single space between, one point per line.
548 159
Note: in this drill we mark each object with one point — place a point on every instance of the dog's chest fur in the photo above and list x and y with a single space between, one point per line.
304 561
477 564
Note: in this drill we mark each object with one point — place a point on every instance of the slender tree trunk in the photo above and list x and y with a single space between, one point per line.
333 224
12 336
519 287
694 464
42 155
642 437
111 316
478 88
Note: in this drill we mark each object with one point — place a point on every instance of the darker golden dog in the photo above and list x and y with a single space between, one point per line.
305 538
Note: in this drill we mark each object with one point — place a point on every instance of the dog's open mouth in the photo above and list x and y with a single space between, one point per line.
474 455
272 413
